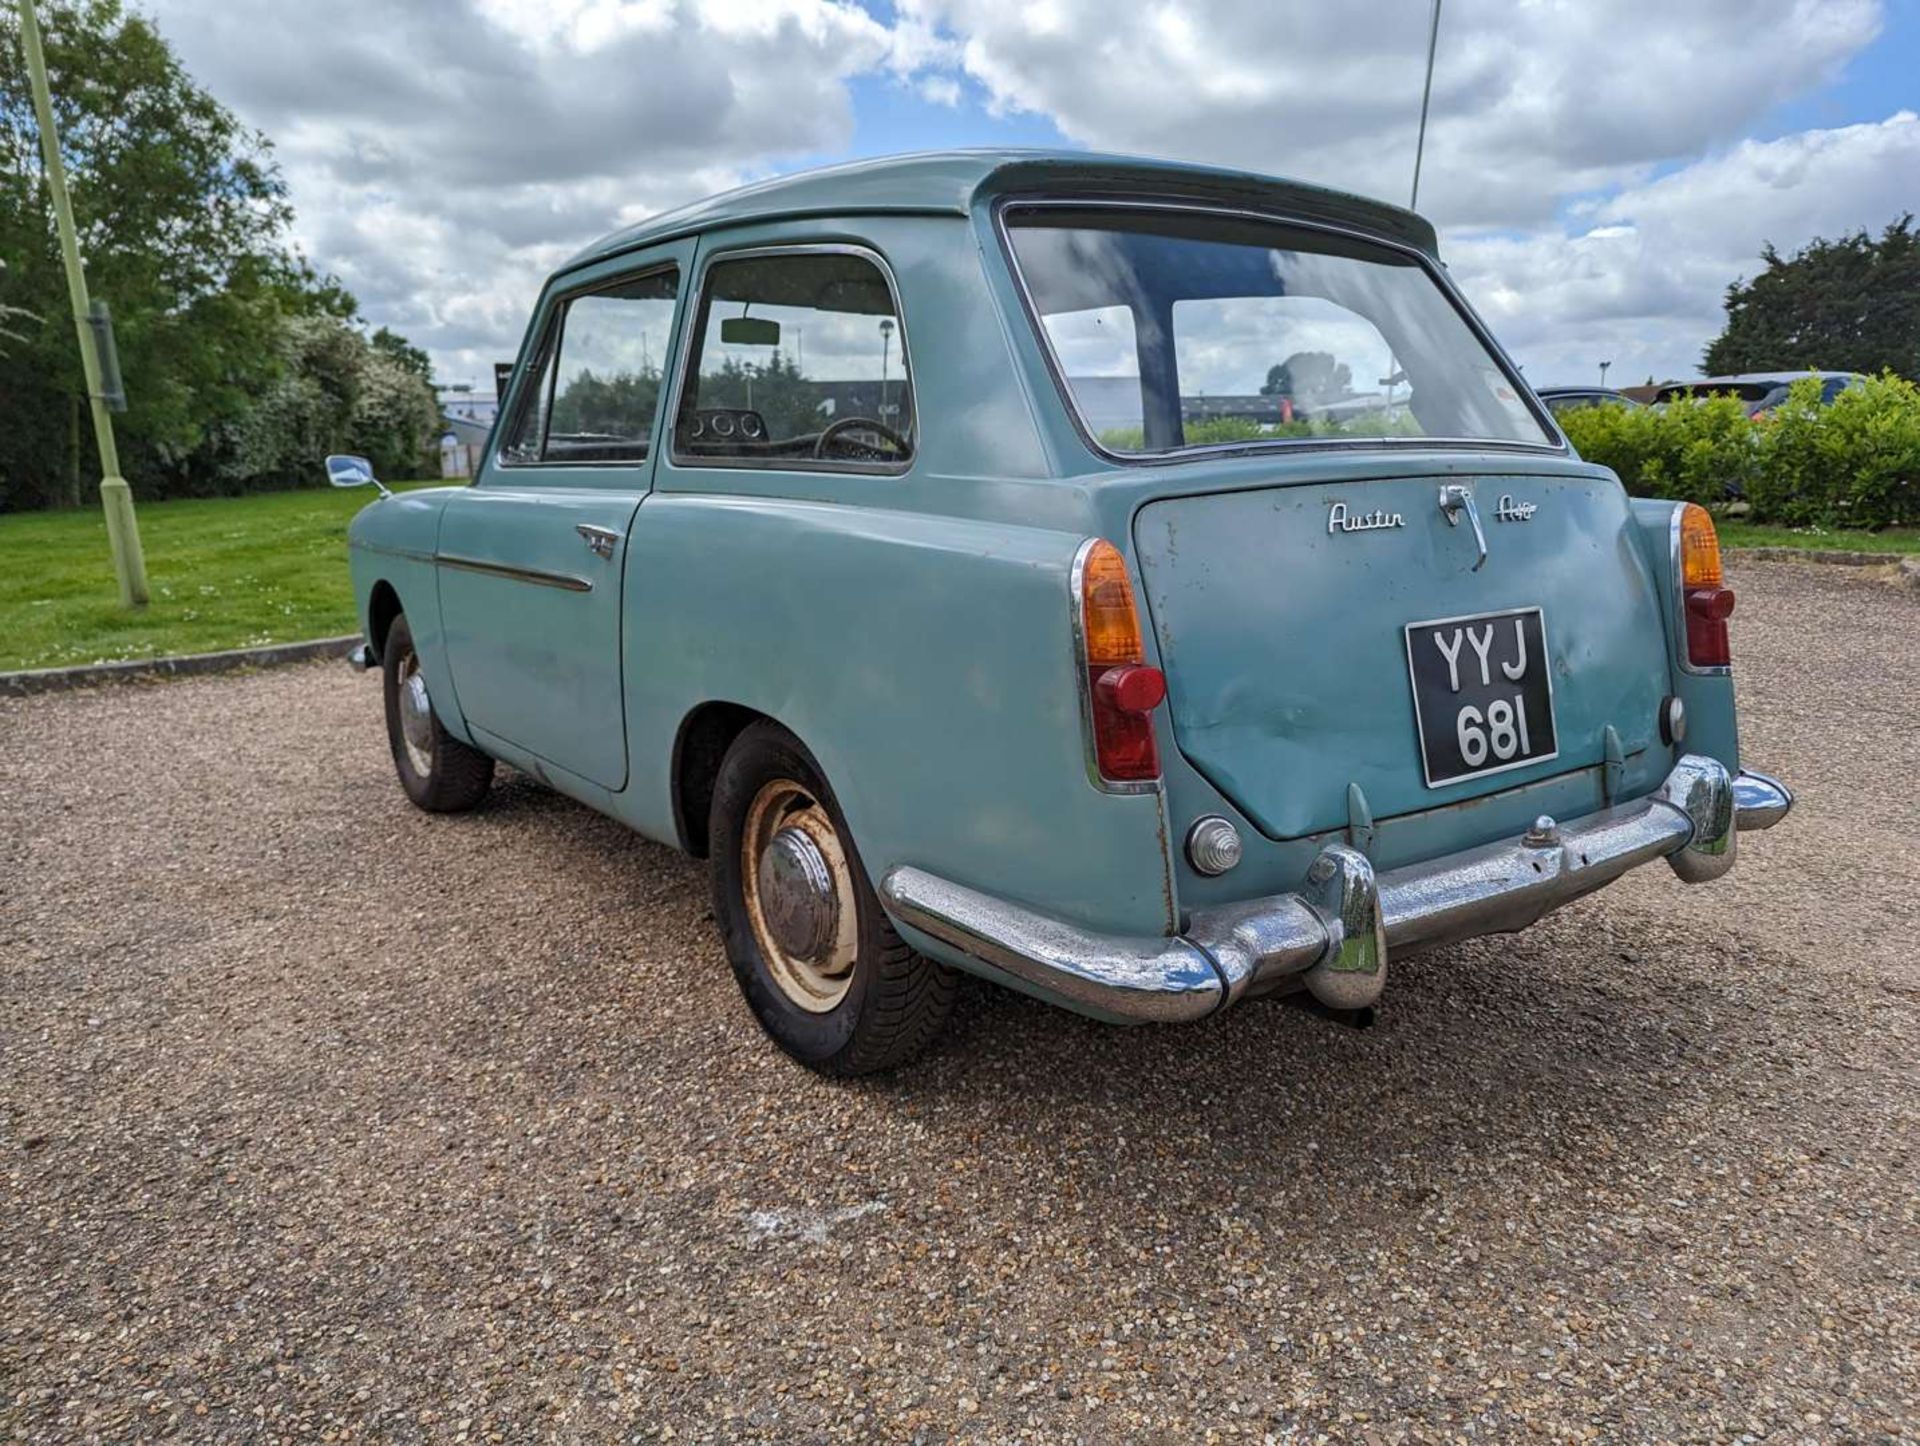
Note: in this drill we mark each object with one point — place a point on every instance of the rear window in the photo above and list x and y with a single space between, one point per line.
1571 402
1174 330
1560 403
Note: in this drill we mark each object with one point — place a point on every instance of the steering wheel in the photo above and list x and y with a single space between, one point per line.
846 424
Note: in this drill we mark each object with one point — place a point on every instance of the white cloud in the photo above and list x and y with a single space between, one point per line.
1532 101
1643 287
1537 108
444 155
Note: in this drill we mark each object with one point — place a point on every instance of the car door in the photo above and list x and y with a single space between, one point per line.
531 557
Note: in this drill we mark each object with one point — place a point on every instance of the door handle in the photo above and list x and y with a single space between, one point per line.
600 540
1454 499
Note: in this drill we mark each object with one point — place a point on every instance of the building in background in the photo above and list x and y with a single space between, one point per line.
466 420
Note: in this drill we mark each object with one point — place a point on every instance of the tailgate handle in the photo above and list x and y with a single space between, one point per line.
1455 499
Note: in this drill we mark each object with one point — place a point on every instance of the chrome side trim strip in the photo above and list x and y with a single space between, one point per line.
565 581
409 553
1337 933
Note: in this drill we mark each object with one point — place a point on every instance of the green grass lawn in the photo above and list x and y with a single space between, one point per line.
1894 541
229 572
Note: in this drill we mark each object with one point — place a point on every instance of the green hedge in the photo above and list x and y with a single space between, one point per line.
1855 463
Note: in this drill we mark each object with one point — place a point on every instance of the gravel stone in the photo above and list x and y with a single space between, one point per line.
321 1118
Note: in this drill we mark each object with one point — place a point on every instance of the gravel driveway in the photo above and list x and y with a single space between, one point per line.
324 1118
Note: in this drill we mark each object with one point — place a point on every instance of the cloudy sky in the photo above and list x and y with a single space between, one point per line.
1599 172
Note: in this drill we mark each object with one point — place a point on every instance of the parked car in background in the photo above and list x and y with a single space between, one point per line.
796 548
1561 400
1760 392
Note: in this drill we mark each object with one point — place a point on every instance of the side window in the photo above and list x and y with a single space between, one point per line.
597 385
799 359
527 433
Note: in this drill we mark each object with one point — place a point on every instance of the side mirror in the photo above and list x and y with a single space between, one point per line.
345 471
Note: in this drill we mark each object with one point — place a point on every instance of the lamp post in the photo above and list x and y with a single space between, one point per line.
1603 372
116 498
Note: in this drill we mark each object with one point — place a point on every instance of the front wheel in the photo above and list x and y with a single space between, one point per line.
439 772
814 953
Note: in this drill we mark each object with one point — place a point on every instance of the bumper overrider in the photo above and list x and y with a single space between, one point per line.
1334 935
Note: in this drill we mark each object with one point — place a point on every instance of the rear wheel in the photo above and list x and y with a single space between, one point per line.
439 772
814 953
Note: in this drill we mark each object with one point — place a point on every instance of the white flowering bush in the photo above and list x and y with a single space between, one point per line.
394 415
331 392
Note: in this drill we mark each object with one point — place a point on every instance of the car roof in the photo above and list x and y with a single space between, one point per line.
949 182
1758 379
1589 390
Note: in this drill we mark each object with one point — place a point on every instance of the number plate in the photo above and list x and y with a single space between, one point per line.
1482 694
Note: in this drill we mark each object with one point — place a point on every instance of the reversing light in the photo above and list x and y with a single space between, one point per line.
1673 720
1706 600
1122 689
1213 845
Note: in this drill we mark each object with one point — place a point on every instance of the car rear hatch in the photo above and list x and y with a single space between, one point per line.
1288 620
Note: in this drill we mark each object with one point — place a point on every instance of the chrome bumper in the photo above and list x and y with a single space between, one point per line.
1336 933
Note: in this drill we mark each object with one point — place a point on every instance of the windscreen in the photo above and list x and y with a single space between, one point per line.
1176 330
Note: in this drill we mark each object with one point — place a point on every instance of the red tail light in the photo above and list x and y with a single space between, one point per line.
1707 601
1122 690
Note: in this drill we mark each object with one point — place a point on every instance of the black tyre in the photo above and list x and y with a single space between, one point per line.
816 956
438 771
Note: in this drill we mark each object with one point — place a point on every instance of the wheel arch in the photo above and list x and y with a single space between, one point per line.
704 737
383 606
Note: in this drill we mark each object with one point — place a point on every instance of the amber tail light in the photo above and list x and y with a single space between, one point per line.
1122 689
1706 600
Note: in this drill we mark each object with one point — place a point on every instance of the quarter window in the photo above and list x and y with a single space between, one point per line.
598 387
800 360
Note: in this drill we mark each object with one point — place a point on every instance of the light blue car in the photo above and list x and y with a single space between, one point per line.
1141 585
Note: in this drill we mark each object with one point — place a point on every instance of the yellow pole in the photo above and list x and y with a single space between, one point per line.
116 498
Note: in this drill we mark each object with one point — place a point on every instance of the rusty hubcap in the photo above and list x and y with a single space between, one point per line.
799 895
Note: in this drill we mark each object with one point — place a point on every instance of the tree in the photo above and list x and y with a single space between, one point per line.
1846 305
1309 376
331 390
404 353
183 219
